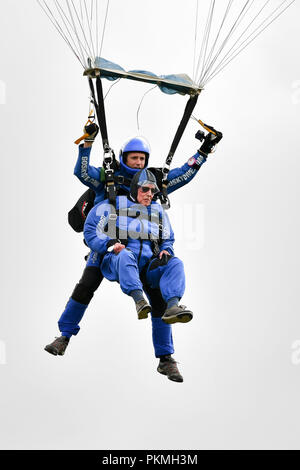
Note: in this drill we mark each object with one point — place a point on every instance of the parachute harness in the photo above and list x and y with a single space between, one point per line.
109 161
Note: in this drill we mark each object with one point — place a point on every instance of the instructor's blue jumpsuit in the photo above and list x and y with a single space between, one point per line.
93 178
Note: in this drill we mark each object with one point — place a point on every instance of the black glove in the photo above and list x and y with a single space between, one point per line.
210 142
92 130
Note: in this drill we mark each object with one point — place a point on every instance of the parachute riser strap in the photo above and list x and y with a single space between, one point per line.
102 117
185 119
93 97
100 110
109 157
183 123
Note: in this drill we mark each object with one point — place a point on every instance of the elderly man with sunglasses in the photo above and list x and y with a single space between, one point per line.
136 239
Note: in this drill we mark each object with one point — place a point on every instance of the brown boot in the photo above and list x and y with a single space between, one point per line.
177 314
142 308
58 346
168 366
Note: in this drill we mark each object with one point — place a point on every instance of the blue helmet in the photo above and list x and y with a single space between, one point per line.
137 144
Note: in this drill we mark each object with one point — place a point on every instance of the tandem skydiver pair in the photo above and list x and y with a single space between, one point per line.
133 158
136 241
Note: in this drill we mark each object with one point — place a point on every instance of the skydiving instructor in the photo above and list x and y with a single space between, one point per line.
133 157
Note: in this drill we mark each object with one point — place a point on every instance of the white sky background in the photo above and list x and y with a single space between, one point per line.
242 375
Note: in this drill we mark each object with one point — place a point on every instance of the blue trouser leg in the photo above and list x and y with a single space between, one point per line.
126 268
69 321
162 337
170 278
161 332
122 268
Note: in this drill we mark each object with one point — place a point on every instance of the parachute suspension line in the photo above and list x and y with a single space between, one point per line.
79 23
97 28
80 26
221 48
208 61
81 11
57 26
205 38
250 39
64 17
139 107
240 33
89 19
208 35
225 58
104 28
195 39
108 91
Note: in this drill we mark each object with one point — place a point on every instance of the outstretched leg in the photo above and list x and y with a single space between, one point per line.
78 303
162 336
81 297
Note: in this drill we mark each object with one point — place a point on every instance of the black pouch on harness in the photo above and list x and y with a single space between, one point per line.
159 262
78 214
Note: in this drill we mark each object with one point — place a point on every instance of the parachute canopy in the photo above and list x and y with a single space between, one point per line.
170 84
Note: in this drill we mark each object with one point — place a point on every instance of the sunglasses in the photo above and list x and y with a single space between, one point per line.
145 189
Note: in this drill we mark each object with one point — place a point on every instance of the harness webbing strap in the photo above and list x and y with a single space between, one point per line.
181 128
95 102
109 158
185 119
102 117
100 110
156 242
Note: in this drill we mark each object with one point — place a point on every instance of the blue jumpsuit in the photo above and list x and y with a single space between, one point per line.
94 178
127 266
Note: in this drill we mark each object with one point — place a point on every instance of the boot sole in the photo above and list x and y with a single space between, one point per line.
53 351
179 318
143 314
173 379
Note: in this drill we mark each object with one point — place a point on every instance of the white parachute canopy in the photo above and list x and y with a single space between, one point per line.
223 29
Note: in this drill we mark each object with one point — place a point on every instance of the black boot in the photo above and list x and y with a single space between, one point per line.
168 366
58 346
